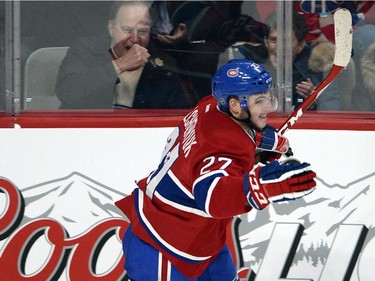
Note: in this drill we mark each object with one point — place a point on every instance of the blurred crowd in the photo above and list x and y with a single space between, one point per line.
162 54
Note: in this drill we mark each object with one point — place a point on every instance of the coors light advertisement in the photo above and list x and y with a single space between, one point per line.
68 228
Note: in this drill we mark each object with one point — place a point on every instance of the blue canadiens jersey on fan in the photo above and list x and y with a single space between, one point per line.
184 206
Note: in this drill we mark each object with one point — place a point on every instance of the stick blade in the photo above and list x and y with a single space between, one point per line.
343 37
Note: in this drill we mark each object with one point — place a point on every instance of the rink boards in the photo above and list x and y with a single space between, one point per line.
57 219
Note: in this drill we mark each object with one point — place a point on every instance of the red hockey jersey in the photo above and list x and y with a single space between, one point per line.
183 207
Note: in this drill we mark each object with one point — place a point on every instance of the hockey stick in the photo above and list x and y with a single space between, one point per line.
343 41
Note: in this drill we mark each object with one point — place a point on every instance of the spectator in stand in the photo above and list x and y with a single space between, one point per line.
119 68
304 80
338 95
310 65
319 17
197 32
363 49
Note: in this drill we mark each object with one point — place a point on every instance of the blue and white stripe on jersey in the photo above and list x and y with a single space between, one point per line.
171 192
139 200
204 186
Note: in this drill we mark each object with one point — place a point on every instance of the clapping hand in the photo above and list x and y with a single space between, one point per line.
135 57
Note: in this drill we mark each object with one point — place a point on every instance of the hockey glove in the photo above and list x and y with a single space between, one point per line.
266 157
271 145
269 140
276 182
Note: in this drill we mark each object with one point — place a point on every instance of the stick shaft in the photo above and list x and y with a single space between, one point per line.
335 71
343 41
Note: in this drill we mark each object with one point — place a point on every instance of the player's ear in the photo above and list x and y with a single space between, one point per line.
234 106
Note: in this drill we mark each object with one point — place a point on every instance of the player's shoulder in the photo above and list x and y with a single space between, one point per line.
215 123
210 113
207 101
208 107
205 109
214 132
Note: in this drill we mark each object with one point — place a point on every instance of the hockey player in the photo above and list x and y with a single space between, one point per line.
179 213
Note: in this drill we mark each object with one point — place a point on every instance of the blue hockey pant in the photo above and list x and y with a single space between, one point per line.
145 263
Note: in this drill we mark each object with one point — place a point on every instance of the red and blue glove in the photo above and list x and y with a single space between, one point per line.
269 140
276 182
271 145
